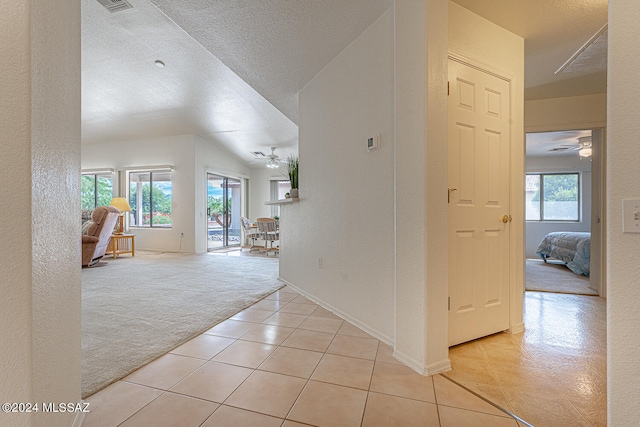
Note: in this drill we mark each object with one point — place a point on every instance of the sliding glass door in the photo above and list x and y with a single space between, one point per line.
223 211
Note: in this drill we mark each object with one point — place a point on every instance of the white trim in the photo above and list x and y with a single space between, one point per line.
158 168
384 338
78 420
561 128
517 328
224 173
97 171
485 68
410 362
439 368
435 368
281 201
593 127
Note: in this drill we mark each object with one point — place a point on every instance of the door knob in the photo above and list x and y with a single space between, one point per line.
506 218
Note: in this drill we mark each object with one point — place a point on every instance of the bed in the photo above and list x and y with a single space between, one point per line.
572 248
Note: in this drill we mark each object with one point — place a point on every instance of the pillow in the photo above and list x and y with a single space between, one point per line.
86 225
86 215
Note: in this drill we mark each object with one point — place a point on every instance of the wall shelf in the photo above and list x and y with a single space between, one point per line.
281 201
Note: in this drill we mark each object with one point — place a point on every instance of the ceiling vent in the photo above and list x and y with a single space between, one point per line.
258 154
114 6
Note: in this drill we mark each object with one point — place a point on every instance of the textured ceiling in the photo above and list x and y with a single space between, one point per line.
126 96
545 144
277 46
553 31
234 67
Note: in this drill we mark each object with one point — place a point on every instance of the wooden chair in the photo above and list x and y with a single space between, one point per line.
268 231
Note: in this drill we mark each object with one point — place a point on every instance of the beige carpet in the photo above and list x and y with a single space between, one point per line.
136 309
555 277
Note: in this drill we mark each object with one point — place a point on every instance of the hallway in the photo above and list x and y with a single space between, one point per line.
285 361
554 374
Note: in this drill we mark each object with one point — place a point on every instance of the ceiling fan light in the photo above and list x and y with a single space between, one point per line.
273 164
585 152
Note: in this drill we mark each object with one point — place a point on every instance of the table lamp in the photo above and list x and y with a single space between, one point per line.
122 205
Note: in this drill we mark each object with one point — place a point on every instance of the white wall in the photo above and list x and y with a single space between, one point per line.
420 173
178 151
536 230
192 156
623 176
16 322
40 174
557 114
344 188
345 215
260 190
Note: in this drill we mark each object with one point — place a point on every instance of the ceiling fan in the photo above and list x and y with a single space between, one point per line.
273 161
583 146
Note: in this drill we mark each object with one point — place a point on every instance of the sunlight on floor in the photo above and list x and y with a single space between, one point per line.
552 374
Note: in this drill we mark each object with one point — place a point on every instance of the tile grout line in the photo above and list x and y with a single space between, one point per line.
435 397
366 401
308 379
278 346
496 377
325 352
136 412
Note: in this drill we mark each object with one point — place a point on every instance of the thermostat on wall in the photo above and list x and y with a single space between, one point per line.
373 143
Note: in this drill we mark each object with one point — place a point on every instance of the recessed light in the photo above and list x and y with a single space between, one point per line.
159 63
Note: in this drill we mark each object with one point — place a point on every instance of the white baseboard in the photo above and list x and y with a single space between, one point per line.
436 368
376 334
79 418
439 368
518 327
410 362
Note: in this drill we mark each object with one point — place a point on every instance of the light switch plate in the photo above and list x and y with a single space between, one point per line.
631 216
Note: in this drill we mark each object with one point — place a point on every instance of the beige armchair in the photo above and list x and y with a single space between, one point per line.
96 240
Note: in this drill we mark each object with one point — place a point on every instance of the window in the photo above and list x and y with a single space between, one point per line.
97 190
150 198
553 197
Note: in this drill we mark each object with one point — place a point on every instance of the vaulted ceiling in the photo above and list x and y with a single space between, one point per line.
234 68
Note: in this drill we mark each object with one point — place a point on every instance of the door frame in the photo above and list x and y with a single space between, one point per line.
598 180
243 196
516 195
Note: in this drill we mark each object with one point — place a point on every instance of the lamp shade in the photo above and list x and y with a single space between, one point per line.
121 204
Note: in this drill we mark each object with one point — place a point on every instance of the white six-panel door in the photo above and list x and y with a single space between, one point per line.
478 216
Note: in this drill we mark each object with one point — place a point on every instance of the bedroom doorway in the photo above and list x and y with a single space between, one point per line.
223 211
564 196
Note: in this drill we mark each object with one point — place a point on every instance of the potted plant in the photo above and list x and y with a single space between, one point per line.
292 170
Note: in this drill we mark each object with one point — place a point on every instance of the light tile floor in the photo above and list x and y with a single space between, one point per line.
285 361
553 374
